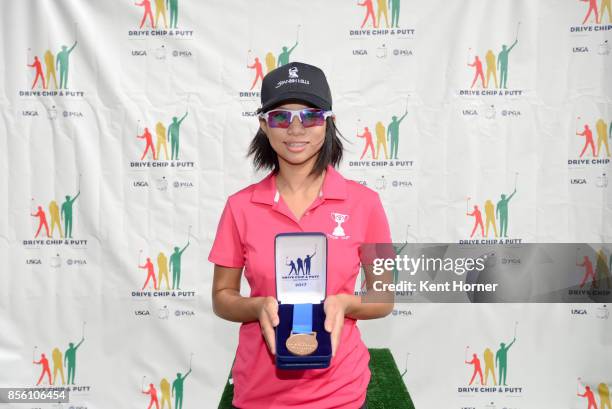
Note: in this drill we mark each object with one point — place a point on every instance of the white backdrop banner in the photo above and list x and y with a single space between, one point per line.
125 125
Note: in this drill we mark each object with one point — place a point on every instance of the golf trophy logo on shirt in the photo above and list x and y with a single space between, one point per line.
301 277
338 232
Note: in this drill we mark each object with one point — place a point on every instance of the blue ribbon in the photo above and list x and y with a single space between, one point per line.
302 318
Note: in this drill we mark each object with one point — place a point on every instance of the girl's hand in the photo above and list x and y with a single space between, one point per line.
268 319
335 307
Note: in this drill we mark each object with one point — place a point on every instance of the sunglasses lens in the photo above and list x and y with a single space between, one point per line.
312 117
279 119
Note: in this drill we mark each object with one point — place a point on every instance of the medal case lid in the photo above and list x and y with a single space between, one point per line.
294 285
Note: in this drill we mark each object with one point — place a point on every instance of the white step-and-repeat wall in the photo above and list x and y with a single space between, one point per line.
492 97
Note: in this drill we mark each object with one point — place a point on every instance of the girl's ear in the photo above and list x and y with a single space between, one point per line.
263 125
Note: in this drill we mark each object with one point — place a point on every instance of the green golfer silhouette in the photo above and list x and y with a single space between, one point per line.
283 57
173 6
501 212
66 214
177 386
175 266
62 60
395 9
393 134
70 356
173 136
501 359
502 64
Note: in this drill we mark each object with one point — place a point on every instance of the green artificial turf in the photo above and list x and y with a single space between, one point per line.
385 391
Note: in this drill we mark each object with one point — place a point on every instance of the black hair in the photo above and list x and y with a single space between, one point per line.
264 156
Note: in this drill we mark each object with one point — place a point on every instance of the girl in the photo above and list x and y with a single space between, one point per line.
299 142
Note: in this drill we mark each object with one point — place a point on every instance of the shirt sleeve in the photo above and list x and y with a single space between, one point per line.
227 249
377 230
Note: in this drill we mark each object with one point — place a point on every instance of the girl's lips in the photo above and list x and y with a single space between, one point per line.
296 147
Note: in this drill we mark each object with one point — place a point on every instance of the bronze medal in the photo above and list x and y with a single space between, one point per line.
302 344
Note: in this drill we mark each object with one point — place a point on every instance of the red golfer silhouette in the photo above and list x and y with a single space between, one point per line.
369 12
42 221
39 72
477 369
592 7
477 222
150 273
589 140
588 393
588 272
147 12
368 142
258 71
479 73
149 139
45 368
153 392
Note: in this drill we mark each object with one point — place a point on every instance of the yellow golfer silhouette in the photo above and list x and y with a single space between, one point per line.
162 266
164 385
50 63
160 8
602 136
381 139
490 217
160 131
491 68
489 364
58 366
604 396
270 62
382 9
55 218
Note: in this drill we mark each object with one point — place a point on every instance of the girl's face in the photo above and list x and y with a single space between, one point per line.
295 145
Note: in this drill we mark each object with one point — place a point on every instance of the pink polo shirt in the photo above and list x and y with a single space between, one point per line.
245 238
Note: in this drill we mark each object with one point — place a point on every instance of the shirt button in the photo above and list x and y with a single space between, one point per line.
307 213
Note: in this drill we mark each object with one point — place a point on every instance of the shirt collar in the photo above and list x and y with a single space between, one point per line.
334 187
